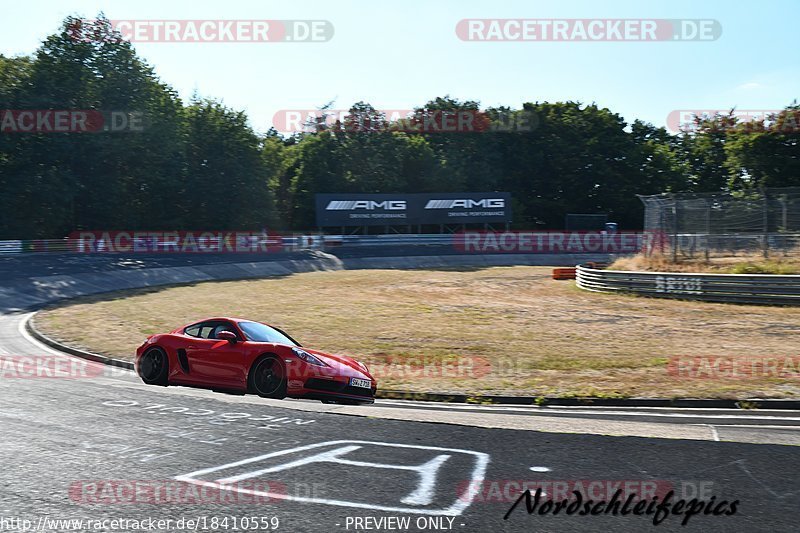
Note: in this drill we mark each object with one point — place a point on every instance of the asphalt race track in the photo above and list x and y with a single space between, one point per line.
73 448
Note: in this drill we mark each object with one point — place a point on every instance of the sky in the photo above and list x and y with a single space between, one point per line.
400 54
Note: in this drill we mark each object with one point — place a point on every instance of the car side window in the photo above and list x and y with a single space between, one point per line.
209 330
203 330
193 331
222 326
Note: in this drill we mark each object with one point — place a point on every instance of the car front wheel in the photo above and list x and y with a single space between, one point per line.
267 378
154 367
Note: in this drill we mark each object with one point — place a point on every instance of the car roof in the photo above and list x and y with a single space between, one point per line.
214 318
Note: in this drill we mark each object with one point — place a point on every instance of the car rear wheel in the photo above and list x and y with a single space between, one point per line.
267 378
154 367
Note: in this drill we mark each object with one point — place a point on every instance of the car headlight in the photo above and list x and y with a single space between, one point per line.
307 357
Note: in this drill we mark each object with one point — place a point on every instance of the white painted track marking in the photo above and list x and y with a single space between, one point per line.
596 411
423 495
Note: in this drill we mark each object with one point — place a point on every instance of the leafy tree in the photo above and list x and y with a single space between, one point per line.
199 165
319 169
226 182
765 155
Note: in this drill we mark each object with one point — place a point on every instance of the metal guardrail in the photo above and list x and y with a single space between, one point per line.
731 243
399 239
736 288
291 242
557 242
33 246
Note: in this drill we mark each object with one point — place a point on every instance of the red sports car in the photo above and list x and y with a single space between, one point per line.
241 356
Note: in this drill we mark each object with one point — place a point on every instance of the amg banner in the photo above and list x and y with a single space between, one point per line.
419 208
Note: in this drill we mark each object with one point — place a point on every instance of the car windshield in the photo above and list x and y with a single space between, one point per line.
255 331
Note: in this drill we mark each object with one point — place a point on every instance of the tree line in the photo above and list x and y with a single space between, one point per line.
200 165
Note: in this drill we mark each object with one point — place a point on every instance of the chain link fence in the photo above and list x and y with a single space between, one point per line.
709 225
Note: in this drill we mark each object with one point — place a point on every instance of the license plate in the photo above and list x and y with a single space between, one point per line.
356 382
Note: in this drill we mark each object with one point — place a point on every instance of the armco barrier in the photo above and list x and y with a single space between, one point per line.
545 242
735 288
39 245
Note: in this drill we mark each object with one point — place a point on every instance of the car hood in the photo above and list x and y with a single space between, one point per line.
338 361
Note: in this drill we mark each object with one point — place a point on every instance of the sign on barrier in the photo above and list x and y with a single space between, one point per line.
10 247
404 209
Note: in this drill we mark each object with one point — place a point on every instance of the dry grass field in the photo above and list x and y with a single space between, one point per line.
513 330
788 264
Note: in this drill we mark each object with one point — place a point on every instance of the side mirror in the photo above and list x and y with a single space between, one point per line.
227 336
